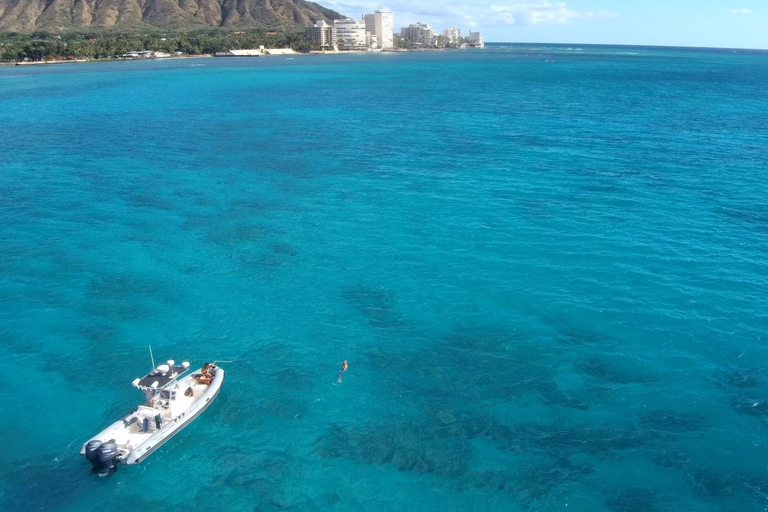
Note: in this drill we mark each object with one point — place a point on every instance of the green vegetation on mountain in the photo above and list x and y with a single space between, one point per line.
28 16
40 46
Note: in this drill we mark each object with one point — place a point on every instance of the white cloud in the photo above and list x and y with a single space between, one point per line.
539 12
475 13
740 11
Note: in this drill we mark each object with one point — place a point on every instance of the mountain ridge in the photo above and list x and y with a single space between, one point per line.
58 15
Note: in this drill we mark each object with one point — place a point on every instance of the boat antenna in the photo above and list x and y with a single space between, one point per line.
151 357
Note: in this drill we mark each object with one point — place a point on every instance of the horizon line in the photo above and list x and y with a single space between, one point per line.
690 47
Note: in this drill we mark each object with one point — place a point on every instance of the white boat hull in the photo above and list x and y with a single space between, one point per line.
135 445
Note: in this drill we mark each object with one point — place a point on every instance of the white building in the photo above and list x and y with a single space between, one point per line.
476 40
322 32
419 34
350 34
385 29
253 52
381 25
452 34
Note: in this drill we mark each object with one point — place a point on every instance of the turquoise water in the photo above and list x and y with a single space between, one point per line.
545 265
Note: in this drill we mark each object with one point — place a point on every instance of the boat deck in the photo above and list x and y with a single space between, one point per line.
132 430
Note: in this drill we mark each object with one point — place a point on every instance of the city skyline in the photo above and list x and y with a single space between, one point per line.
376 31
719 23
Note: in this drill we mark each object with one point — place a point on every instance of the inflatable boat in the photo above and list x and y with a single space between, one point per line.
173 401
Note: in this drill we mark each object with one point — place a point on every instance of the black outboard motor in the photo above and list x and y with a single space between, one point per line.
107 455
91 453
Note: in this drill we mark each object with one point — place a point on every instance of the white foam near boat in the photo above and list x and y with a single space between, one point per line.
172 403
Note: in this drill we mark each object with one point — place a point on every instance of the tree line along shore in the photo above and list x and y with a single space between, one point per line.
81 45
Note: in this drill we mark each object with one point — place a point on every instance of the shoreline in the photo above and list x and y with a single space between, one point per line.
207 55
85 61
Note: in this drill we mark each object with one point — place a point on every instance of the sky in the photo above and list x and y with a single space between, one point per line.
711 23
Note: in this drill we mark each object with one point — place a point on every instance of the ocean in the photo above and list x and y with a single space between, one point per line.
545 264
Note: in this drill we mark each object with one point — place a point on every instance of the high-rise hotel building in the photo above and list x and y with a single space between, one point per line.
381 24
350 34
452 34
476 40
420 34
323 33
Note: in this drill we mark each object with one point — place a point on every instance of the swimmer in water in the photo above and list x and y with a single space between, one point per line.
344 367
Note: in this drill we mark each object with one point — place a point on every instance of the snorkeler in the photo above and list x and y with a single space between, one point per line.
344 367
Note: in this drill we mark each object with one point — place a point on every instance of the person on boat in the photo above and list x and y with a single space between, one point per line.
158 421
344 367
206 373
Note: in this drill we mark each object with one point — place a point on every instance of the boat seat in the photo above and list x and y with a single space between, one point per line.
130 421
